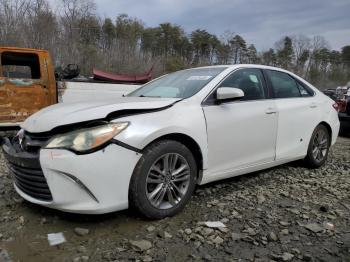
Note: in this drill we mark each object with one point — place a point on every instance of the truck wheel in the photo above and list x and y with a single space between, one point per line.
318 147
163 180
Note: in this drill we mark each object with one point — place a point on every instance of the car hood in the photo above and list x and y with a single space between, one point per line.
70 113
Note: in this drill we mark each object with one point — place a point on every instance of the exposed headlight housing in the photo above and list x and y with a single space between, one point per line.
87 139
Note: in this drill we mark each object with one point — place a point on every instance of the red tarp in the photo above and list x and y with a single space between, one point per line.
110 77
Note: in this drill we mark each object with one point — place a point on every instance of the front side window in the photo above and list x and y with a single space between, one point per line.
20 65
283 85
249 80
181 84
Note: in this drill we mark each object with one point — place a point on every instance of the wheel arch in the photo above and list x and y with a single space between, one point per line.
190 143
310 159
325 124
329 128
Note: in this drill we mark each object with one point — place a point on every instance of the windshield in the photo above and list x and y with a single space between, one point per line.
181 84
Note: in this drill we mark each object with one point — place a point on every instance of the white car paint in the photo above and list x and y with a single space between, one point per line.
106 181
67 113
234 138
223 136
72 92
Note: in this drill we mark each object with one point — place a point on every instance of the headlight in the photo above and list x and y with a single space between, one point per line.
87 139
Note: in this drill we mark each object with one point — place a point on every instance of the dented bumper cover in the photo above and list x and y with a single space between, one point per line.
92 184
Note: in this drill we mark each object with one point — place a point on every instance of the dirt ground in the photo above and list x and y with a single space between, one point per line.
288 213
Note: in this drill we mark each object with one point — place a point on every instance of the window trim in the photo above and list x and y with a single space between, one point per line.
272 93
267 94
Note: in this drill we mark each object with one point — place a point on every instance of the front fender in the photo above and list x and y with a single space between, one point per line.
180 119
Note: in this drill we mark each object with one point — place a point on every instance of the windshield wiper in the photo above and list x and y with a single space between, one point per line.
150 96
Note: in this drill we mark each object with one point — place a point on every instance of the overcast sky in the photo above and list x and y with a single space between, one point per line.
261 22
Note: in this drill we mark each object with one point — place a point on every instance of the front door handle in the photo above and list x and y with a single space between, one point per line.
271 111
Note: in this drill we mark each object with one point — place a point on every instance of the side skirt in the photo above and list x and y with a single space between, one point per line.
211 177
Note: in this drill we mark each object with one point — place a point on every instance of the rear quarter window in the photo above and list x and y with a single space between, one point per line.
305 91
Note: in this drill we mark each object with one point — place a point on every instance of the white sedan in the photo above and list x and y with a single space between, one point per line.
150 149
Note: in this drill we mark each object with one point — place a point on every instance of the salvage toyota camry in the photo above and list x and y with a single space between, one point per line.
149 149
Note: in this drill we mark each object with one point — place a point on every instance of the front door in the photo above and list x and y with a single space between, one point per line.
23 86
241 133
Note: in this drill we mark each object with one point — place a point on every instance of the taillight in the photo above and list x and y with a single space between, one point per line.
336 106
341 106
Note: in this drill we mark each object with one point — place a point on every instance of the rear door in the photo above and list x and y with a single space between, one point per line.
298 114
23 85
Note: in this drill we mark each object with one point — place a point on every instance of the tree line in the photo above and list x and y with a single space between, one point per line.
74 33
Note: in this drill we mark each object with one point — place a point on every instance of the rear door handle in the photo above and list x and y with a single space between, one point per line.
313 105
271 111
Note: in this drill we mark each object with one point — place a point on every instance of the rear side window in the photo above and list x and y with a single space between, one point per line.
283 85
20 65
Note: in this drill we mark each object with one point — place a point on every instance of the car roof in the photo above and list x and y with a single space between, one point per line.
229 68
235 66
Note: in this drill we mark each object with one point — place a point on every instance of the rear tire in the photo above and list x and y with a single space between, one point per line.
318 147
163 180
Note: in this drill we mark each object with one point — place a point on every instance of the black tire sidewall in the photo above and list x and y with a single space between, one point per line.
310 160
137 190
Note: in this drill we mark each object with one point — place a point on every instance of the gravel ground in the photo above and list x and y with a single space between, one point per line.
288 213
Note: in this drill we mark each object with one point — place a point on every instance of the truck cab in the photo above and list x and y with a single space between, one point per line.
27 84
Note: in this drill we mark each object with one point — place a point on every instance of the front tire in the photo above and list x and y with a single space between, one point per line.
163 180
318 147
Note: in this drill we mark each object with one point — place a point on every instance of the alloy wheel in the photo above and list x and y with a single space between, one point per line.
320 145
167 181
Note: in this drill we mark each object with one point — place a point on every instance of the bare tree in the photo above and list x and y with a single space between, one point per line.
301 46
74 33
13 13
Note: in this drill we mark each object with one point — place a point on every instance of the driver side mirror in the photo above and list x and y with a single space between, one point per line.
228 93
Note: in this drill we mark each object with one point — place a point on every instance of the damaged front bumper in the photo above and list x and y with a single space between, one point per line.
27 173
91 183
